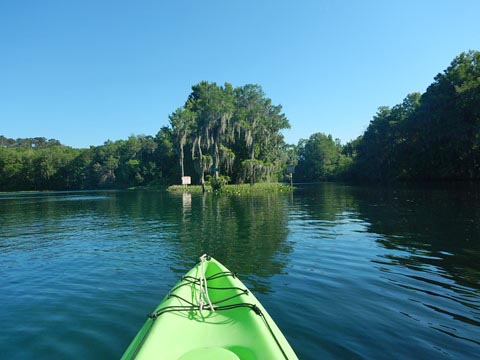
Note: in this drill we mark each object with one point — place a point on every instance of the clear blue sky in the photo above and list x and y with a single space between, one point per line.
87 71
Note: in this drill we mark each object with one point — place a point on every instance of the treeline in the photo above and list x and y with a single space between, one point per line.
233 134
40 164
221 134
429 136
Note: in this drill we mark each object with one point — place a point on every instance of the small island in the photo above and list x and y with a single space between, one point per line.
235 189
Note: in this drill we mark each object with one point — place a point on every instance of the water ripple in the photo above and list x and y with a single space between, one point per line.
345 272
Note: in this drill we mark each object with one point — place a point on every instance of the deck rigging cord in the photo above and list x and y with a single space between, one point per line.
203 286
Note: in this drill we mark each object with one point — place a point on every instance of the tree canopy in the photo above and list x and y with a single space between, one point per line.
429 136
230 132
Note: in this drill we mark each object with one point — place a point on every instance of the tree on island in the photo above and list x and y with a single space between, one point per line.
230 131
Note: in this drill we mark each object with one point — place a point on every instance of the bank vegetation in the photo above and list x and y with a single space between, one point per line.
223 134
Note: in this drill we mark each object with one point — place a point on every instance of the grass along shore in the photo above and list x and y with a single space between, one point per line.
236 189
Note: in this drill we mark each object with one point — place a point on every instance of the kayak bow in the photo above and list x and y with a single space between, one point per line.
209 314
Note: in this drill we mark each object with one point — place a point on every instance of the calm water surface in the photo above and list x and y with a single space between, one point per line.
346 272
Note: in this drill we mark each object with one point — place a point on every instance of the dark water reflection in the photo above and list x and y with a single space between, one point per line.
410 261
347 272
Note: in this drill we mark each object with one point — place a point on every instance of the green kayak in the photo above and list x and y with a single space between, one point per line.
209 314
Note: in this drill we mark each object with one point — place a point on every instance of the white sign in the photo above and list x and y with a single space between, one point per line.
186 180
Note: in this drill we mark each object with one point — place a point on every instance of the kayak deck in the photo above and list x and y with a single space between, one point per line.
184 326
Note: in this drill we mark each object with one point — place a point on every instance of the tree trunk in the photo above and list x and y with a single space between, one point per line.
202 177
181 161
252 157
216 161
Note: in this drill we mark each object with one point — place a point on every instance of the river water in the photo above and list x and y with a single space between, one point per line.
345 271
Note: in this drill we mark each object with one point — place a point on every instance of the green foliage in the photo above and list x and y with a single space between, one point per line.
377 150
218 183
433 136
236 189
230 131
28 143
320 158
430 136
234 134
32 164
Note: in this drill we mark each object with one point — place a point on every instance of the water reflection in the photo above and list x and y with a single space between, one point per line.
245 233
186 202
437 228
328 262
423 227
427 256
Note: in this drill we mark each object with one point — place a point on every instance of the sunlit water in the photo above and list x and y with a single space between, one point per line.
346 272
